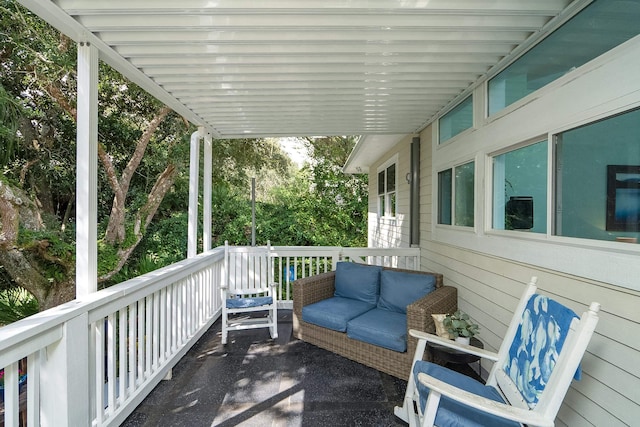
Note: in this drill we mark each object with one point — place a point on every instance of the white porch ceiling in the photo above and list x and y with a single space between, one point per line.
248 68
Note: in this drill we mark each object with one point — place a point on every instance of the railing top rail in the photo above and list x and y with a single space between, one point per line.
381 251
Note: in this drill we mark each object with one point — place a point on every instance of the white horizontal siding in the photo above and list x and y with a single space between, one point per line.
489 288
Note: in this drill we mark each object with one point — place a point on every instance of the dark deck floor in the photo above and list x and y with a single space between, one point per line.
256 381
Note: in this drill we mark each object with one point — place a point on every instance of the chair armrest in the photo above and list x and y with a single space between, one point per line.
312 289
445 342
441 300
503 410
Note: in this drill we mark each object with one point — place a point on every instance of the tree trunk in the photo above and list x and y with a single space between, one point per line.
116 230
17 209
144 215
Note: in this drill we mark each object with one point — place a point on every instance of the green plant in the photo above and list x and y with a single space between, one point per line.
458 324
16 304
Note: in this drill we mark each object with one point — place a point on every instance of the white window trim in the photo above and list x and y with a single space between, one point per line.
382 168
436 197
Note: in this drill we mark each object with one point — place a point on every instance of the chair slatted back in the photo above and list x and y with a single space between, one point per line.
542 348
248 269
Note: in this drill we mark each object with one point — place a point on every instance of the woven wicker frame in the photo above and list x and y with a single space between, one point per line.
316 288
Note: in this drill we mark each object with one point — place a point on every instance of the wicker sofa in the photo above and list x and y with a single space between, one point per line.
316 288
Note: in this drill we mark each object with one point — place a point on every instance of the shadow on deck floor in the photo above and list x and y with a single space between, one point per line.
256 381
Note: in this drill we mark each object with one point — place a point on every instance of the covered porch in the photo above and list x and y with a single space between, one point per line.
387 70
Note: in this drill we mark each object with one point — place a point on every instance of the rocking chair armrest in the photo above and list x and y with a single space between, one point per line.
445 342
499 409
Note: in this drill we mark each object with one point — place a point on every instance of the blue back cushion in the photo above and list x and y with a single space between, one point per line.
358 281
399 289
538 342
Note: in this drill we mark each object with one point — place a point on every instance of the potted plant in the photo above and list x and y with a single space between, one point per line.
460 326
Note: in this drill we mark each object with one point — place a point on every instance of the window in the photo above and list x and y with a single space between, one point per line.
456 120
598 180
456 195
520 189
387 191
445 193
598 28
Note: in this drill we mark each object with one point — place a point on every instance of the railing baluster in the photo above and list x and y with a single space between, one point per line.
99 374
122 355
111 359
33 389
140 341
131 345
156 331
11 401
148 337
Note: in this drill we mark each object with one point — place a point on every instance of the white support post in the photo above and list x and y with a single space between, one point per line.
64 384
87 171
194 177
206 193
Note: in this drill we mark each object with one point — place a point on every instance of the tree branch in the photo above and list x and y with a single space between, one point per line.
141 147
143 217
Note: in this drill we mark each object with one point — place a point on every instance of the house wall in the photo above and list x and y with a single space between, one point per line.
386 232
491 268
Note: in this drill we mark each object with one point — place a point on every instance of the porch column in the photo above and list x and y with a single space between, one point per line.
87 171
194 177
206 193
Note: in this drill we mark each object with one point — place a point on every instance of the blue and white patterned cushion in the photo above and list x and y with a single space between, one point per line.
249 302
537 345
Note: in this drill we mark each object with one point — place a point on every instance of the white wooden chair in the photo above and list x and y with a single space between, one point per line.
533 369
249 287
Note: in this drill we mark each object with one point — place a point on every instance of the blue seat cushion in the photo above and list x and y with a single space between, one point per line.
334 313
380 327
358 281
398 289
248 302
454 414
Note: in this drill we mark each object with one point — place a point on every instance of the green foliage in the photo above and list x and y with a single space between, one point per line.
15 304
57 243
458 324
318 206
10 112
107 257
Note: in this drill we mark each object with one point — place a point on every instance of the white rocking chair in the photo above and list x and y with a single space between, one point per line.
533 369
248 288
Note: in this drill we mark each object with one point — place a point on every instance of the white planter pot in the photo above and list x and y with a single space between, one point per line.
463 340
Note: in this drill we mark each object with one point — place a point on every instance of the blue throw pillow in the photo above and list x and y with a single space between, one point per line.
536 347
399 289
358 281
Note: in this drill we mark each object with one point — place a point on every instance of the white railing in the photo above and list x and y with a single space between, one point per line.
295 262
93 361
